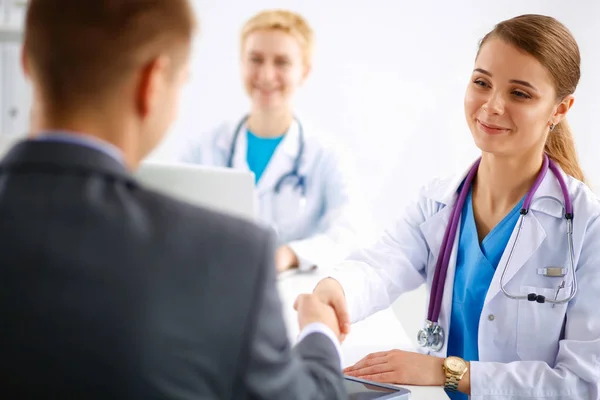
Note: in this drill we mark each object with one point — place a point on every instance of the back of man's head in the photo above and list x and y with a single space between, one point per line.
79 51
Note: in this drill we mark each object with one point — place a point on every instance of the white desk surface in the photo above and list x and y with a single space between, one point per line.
379 332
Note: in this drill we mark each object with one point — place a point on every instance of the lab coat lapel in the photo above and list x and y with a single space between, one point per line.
282 161
445 194
547 200
531 236
224 144
433 231
240 157
446 308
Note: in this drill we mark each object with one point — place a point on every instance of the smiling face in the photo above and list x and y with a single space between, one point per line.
511 101
273 67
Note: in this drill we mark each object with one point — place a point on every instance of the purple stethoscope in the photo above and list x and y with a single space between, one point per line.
432 334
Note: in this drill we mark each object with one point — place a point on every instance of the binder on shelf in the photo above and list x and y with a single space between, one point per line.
12 20
14 13
16 92
2 13
2 88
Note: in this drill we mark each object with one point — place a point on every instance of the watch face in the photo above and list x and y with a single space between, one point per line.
455 365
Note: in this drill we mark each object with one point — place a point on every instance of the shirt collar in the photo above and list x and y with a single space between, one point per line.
82 139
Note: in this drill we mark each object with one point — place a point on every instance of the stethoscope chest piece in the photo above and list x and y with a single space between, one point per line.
431 336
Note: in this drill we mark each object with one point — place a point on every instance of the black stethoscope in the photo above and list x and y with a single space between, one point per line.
293 174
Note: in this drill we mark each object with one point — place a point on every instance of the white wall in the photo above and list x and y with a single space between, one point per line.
389 79
15 92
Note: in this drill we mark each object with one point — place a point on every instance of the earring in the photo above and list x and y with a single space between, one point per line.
552 127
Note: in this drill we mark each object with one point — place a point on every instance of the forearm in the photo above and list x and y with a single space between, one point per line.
365 290
439 377
464 385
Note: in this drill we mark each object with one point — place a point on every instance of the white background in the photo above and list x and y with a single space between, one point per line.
389 78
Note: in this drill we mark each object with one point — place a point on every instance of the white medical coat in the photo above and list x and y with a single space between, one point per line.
335 219
526 350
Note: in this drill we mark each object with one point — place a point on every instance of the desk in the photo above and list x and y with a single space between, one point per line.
379 332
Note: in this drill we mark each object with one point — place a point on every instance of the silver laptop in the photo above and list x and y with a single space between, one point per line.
7 142
223 189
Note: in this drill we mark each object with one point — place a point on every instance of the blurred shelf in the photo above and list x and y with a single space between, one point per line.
9 34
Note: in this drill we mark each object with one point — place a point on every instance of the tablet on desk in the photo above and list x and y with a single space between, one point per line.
360 389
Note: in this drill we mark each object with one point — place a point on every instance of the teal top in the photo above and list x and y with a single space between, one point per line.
260 151
475 267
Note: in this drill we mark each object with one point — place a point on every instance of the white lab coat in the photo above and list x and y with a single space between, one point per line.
335 218
524 352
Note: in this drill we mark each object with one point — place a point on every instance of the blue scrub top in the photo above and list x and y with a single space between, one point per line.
475 267
260 151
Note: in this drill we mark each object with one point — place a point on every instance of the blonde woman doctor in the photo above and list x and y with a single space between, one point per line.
509 250
303 178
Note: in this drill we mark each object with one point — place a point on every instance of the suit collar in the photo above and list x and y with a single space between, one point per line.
48 155
548 198
83 140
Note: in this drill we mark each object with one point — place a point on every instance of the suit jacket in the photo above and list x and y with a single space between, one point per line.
112 291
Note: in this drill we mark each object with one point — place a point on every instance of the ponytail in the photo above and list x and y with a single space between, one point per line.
560 147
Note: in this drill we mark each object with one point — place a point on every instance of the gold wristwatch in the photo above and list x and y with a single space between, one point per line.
454 368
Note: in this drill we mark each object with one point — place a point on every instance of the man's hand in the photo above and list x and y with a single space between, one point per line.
311 309
330 292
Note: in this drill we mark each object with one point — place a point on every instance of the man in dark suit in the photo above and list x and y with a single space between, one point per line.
109 290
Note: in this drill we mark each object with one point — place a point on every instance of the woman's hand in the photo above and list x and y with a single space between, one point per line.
330 292
401 368
285 259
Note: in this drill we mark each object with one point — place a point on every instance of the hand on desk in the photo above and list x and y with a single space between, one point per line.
400 367
311 309
285 259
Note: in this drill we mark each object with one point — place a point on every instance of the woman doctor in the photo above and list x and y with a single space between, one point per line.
514 321
303 178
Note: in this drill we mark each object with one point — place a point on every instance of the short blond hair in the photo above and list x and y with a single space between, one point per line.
285 21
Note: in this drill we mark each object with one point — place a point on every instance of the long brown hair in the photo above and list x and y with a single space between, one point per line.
553 45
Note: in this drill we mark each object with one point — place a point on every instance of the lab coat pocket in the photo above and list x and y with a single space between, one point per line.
290 213
540 325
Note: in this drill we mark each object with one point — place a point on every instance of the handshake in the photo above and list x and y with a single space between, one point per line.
327 305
